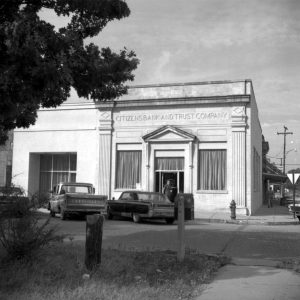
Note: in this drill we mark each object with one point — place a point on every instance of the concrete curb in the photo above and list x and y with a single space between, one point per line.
198 221
248 221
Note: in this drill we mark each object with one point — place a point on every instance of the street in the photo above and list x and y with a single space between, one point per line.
239 241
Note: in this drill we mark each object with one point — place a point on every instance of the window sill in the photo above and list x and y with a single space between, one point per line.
212 192
124 189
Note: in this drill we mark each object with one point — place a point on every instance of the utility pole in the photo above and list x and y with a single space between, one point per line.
284 133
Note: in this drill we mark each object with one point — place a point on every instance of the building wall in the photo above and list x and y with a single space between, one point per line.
68 129
255 174
191 117
217 114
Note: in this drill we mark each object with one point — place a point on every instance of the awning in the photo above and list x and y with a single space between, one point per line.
274 177
272 173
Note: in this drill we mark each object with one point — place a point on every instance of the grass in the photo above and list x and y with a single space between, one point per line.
57 273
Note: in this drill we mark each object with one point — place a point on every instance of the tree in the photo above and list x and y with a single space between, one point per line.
39 64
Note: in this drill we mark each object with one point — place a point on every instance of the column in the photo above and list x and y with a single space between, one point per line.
147 163
191 166
105 153
238 125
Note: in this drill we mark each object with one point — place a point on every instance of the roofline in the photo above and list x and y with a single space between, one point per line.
75 183
189 83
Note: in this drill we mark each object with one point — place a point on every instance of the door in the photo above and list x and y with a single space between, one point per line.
161 178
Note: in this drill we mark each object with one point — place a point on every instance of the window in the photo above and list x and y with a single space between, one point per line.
128 170
55 168
256 170
212 169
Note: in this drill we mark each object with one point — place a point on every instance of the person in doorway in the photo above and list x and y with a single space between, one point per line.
170 190
270 197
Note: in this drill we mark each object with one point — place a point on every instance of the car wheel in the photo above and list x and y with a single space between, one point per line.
62 214
136 218
170 220
52 213
109 215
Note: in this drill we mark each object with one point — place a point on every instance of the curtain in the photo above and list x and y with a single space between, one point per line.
128 171
212 170
169 163
45 182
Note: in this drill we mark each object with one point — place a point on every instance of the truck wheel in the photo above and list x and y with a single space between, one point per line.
52 213
170 220
136 218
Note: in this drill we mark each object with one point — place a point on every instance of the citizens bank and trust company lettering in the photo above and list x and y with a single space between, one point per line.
173 116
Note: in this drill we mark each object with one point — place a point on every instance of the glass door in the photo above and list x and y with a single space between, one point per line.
161 178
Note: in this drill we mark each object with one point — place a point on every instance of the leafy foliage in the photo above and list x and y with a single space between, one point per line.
39 64
22 231
23 237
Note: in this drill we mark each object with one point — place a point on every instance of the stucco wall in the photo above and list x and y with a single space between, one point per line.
67 129
219 115
256 143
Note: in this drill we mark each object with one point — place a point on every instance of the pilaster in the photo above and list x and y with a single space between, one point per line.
191 166
147 163
239 125
105 152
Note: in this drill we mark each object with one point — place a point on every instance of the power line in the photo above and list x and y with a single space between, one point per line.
284 133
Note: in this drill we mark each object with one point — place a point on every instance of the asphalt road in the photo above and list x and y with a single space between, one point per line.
239 241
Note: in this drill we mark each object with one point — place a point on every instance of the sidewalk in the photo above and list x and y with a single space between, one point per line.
253 282
276 215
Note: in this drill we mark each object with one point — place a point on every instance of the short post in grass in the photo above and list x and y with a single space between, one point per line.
180 219
93 243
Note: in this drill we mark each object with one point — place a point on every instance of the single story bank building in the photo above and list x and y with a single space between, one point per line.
205 136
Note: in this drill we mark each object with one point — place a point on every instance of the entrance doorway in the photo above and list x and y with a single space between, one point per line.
161 178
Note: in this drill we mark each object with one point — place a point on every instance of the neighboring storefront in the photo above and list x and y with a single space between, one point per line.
206 137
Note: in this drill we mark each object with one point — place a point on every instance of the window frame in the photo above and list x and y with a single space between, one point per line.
52 172
211 191
119 188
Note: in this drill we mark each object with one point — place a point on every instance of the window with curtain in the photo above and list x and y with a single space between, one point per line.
169 163
212 169
128 169
55 168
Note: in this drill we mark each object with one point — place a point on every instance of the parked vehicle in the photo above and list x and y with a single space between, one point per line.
141 205
73 197
295 209
13 202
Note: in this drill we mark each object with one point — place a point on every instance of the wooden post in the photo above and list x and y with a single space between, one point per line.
181 242
93 243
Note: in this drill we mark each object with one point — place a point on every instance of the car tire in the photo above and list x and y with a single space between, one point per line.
170 220
62 214
109 215
136 218
52 213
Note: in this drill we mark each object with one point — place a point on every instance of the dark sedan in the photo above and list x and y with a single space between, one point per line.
140 205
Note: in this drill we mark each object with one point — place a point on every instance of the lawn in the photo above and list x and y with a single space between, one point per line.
57 273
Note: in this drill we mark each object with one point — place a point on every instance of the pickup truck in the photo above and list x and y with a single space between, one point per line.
73 197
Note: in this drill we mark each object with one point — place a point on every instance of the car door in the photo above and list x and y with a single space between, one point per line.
118 205
131 202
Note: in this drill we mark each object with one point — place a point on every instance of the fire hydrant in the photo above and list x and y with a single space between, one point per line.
232 210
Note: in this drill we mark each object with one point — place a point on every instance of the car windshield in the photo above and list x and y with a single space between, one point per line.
140 196
83 189
11 191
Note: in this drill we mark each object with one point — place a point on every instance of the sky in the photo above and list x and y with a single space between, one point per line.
211 40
